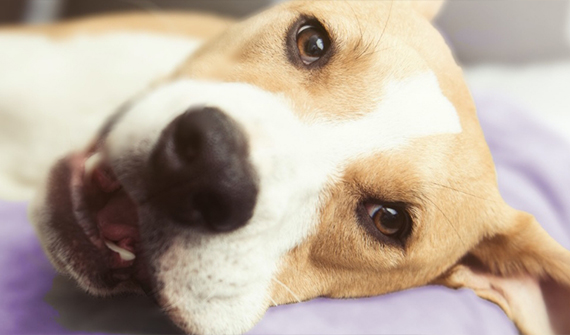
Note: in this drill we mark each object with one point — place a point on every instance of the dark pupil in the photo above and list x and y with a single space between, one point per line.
390 218
315 46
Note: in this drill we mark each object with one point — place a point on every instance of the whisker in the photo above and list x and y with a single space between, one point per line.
448 221
361 34
372 47
387 21
460 191
168 308
273 301
288 289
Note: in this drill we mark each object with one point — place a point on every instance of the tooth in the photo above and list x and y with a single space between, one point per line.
91 164
125 254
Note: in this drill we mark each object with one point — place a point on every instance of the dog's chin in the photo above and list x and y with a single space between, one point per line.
88 226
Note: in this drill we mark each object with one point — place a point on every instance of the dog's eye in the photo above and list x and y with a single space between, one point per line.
313 42
389 220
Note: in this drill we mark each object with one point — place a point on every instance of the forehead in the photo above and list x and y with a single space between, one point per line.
376 44
392 79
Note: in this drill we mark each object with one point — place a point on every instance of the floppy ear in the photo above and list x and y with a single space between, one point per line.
524 271
428 8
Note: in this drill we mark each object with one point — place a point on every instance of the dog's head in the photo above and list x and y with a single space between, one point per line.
316 149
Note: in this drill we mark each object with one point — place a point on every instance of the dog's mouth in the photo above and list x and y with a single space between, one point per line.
101 228
109 212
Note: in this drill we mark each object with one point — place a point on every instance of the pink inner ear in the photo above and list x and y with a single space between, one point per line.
520 297
557 299
533 305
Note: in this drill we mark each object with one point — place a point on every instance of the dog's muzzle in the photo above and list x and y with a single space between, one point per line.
199 175
191 194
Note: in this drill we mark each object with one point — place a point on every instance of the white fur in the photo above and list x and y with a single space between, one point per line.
295 162
71 97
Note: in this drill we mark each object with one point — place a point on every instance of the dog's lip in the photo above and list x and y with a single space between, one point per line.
97 197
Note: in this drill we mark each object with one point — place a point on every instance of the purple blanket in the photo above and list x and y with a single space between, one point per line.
533 175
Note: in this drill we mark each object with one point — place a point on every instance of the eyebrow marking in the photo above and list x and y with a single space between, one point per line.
409 109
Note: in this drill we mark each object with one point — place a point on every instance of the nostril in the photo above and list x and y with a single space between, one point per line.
199 173
187 144
215 211
187 138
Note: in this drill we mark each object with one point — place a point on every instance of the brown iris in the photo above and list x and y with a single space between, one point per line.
389 221
313 43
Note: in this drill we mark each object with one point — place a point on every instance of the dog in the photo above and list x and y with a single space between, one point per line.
319 148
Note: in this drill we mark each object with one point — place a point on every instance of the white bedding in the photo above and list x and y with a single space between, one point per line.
543 89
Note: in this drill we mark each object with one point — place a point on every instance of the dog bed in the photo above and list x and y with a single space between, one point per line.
532 164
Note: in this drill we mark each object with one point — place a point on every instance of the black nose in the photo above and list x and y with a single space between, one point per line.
200 174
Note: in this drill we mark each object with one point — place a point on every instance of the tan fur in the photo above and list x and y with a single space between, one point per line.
464 235
428 8
340 259
394 54
202 26
372 53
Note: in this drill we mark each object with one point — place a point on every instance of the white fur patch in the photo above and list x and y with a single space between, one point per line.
76 83
295 162
409 109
